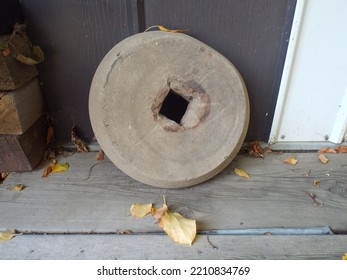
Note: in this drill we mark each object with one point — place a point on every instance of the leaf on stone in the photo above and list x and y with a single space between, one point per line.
7 235
159 212
316 183
55 167
327 150
323 158
162 28
178 228
241 173
291 160
140 210
77 141
341 149
100 155
3 176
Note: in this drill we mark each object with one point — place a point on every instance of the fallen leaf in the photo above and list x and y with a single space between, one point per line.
55 167
140 210
323 158
291 160
81 147
162 28
18 187
327 150
159 212
255 150
100 155
241 173
7 235
178 228
50 135
341 149
6 52
344 257
316 183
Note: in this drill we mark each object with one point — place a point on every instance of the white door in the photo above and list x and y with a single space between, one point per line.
312 102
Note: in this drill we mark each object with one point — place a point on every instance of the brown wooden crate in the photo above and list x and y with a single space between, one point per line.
20 108
13 73
23 152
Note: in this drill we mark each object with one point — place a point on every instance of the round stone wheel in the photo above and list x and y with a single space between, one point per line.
168 110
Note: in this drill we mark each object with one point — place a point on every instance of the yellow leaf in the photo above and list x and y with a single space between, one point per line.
7 235
291 160
162 28
55 167
159 212
18 187
323 158
178 228
344 256
241 173
60 167
140 210
316 183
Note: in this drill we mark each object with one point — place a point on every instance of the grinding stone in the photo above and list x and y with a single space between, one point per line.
126 99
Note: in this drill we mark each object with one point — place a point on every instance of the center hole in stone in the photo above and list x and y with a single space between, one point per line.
174 106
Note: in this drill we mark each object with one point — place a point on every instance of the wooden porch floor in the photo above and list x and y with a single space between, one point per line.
81 213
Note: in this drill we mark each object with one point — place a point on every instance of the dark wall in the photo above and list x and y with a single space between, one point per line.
76 34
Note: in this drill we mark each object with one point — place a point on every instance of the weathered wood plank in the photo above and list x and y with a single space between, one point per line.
98 198
20 108
147 247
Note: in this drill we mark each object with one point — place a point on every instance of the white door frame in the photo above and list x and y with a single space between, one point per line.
338 131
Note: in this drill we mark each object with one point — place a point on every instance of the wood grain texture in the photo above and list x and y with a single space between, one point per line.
149 247
20 108
96 197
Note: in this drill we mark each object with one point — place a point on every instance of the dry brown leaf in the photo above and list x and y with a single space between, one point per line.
255 150
81 147
100 155
50 135
159 212
140 210
55 167
178 228
6 52
316 183
341 149
323 158
7 235
327 150
36 57
241 173
291 160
